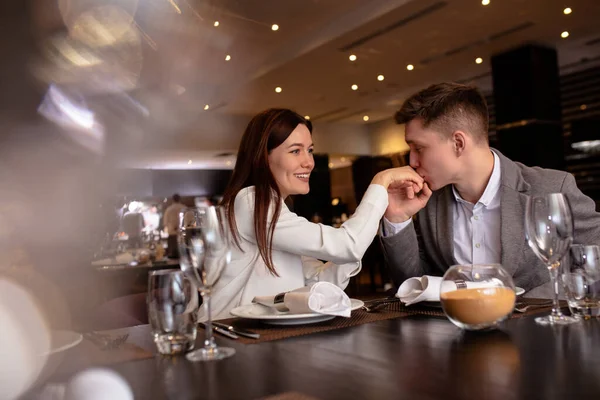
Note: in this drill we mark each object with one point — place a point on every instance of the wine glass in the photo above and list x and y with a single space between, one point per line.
549 233
205 250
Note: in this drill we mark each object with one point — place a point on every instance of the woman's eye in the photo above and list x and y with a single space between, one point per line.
311 150
295 151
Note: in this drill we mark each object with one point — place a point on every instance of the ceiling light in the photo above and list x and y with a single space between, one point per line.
330 165
278 89
366 118
352 57
216 23
306 117
343 159
410 67
564 35
583 107
567 11
206 107
189 162
275 27
227 57
354 87
380 78
485 2
228 163
479 60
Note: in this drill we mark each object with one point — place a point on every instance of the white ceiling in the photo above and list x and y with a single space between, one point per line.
167 59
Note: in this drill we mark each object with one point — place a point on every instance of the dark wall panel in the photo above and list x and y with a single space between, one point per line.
526 85
134 182
363 171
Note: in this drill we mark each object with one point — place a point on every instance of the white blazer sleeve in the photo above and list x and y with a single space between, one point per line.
296 235
339 275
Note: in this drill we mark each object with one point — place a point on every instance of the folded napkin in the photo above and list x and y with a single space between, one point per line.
427 288
322 297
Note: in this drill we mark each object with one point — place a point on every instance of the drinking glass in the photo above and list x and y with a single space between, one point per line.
479 296
172 311
549 233
581 280
205 250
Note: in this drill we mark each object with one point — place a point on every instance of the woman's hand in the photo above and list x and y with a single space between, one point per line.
399 177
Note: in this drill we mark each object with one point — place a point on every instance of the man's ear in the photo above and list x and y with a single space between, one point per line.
459 141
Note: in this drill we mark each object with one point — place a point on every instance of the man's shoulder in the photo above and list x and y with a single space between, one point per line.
542 179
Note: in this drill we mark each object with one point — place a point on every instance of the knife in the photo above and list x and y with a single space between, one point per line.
224 332
237 331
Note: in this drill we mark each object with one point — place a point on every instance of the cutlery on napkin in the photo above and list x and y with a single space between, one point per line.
322 298
427 288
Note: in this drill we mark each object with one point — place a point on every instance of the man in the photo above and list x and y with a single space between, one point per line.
471 209
171 223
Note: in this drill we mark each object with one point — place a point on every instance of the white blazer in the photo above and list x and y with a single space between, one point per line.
297 247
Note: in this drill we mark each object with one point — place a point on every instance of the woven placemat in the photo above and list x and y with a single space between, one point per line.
289 396
395 310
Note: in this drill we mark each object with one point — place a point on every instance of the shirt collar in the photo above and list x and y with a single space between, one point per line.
492 188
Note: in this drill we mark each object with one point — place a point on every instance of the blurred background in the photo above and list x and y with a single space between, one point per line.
109 107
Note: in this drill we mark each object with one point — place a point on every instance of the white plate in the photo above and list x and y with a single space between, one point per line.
519 291
271 316
63 340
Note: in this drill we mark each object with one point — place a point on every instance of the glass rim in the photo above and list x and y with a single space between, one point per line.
583 246
477 265
159 272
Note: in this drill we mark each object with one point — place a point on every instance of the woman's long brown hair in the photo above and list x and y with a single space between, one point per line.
266 131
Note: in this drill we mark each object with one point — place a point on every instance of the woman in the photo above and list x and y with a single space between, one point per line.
275 250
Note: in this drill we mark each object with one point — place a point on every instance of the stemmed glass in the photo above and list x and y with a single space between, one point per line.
205 250
549 233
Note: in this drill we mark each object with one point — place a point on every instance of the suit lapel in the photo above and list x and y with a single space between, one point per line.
512 235
445 226
514 191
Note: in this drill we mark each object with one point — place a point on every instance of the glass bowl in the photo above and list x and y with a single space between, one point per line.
477 296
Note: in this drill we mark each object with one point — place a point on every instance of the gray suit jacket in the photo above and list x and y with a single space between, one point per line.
426 247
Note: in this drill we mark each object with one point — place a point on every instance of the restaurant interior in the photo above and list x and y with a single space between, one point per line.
109 108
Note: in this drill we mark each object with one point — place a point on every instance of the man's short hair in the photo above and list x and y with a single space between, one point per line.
448 107
176 198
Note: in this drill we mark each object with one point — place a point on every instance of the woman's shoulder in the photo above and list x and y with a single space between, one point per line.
245 198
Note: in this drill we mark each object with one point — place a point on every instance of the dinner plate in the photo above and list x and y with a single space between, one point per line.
271 316
63 340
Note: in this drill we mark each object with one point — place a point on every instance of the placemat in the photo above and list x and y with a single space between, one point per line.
395 310
289 396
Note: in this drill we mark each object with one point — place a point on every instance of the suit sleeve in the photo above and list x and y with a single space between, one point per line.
585 217
404 254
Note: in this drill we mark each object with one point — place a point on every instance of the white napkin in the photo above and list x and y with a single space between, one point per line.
427 288
322 297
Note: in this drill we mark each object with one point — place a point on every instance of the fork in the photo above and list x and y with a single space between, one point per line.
524 308
374 305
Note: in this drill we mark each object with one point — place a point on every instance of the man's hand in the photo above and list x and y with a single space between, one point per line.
405 200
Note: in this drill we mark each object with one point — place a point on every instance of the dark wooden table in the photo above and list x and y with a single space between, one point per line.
409 358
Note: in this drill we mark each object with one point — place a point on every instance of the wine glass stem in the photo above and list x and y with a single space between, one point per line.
554 269
209 340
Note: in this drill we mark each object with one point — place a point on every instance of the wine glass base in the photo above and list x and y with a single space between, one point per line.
556 320
218 353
